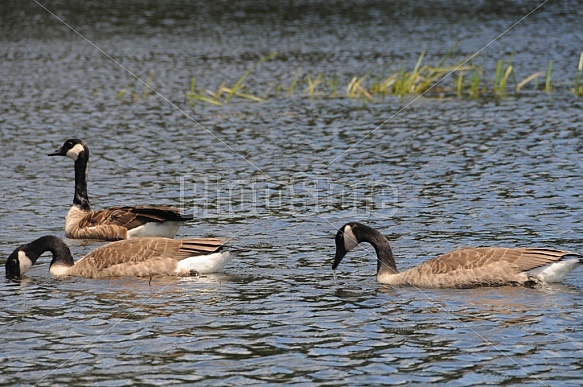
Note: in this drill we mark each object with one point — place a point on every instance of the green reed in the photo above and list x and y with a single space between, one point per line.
225 93
578 90
503 71
134 94
529 79
548 77
462 80
475 82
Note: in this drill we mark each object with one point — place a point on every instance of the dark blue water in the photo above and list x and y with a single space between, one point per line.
281 176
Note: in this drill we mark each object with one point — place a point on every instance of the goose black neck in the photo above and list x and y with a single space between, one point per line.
81 198
385 258
56 246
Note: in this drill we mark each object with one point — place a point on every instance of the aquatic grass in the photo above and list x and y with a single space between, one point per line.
578 90
402 83
133 94
418 81
434 74
294 82
407 83
355 89
462 80
313 83
383 86
475 81
459 84
231 92
503 71
548 77
193 95
529 79
224 93
235 90
501 87
333 85
409 80
124 91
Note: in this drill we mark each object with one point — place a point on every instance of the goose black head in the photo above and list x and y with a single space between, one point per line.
18 263
346 240
72 148
26 255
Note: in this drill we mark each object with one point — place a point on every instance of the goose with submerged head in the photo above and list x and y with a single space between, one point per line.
462 268
114 223
131 258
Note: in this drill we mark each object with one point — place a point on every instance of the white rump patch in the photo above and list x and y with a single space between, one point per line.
166 229
75 151
555 272
205 264
350 240
24 262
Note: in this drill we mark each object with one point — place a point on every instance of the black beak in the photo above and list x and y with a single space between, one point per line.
58 152
340 250
338 258
12 268
12 276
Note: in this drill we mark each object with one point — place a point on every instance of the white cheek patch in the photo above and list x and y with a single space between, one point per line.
350 240
75 151
24 261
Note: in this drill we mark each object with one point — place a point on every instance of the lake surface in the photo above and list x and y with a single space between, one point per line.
280 177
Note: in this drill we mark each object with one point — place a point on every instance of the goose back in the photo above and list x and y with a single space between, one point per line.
117 223
142 257
473 267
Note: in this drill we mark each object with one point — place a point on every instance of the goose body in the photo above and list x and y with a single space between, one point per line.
115 223
462 268
130 258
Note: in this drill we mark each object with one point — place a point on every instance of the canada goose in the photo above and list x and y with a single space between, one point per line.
133 257
462 268
114 223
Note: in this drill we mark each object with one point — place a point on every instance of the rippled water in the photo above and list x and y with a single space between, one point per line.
281 177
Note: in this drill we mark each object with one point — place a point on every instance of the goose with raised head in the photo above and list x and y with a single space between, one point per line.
127 258
114 223
462 268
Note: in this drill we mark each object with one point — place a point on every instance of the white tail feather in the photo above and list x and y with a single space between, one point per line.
166 229
555 272
205 264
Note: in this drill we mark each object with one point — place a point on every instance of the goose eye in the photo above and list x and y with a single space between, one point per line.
12 266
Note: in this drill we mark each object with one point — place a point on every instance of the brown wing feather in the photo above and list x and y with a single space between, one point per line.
132 217
145 249
522 259
532 258
198 246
